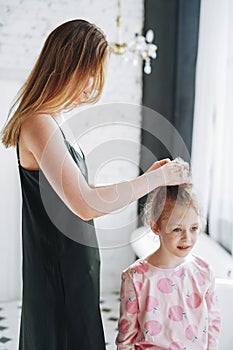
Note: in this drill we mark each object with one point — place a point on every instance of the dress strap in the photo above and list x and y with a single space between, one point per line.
78 149
17 149
17 152
60 129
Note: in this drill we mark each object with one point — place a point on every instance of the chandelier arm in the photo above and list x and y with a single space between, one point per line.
140 47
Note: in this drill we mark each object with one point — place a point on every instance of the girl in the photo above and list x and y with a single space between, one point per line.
168 299
60 306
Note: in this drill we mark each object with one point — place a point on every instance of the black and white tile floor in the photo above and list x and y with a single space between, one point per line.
10 319
110 312
9 325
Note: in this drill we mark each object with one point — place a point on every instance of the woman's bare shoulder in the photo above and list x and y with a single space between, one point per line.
37 123
37 132
38 129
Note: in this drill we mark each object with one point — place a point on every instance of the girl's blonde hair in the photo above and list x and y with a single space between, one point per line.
73 53
163 199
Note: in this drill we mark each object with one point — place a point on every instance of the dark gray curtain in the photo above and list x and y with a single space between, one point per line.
170 88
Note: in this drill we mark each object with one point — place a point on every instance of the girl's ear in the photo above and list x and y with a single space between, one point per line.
154 227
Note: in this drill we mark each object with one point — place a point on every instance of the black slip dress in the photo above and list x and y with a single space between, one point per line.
60 297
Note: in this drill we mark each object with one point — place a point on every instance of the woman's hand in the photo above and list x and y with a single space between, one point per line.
175 172
158 164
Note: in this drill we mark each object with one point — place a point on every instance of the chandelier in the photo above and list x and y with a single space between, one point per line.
140 48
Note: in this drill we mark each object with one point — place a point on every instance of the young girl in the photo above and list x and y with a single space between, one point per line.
168 299
60 306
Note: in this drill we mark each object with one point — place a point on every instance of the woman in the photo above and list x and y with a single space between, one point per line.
60 307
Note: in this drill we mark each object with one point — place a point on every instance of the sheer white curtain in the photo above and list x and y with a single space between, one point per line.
212 147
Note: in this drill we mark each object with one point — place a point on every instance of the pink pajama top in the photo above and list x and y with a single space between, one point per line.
172 309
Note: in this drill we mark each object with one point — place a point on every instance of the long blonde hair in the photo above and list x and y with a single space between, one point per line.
72 53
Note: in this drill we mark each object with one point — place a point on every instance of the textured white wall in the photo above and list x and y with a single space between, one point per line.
24 25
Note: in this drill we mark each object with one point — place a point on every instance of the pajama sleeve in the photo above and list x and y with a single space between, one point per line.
128 322
214 315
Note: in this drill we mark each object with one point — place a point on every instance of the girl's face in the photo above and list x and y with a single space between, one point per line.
179 232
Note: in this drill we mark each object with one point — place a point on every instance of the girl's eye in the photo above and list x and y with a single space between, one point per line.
177 229
195 228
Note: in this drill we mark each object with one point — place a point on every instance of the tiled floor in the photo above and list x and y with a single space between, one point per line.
110 312
9 325
10 319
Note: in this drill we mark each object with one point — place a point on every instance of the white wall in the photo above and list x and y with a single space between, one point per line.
24 26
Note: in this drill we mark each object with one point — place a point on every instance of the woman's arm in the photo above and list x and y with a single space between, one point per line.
43 139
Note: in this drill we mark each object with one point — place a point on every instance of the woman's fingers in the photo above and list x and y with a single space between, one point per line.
176 172
163 161
181 163
158 164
